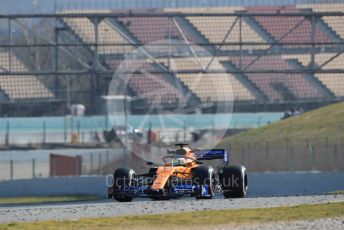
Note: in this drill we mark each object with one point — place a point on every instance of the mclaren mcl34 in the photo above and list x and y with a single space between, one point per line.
183 173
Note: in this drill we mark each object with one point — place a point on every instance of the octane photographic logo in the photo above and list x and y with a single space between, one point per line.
169 91
231 182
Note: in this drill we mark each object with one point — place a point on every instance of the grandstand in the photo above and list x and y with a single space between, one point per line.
288 29
214 29
85 29
22 87
335 23
210 87
153 29
334 81
277 86
259 59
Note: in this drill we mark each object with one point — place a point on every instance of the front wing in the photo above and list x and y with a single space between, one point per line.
141 190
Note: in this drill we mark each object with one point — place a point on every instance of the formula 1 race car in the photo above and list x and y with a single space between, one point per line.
182 174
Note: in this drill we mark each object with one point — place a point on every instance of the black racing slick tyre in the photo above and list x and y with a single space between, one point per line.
234 182
204 175
122 177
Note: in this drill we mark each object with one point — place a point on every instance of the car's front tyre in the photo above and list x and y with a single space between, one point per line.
122 177
204 177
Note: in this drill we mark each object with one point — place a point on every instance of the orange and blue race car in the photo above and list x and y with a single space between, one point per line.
182 174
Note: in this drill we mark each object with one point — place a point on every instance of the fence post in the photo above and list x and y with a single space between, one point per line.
291 158
11 169
340 142
106 121
83 172
83 137
78 165
100 163
313 157
306 165
107 156
71 128
54 167
184 131
33 168
7 135
91 161
213 133
44 132
287 146
248 155
65 129
335 153
267 155
258 122
78 130
243 158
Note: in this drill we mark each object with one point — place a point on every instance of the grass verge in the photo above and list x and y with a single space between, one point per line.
339 192
323 124
190 220
33 200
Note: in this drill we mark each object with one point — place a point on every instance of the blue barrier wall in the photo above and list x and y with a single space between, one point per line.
302 183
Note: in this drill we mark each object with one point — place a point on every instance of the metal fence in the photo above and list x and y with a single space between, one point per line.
308 154
312 155
26 131
53 5
35 163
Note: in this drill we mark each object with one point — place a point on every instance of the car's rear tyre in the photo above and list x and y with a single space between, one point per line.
234 182
204 175
122 177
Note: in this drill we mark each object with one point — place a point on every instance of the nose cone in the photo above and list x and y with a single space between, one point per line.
160 180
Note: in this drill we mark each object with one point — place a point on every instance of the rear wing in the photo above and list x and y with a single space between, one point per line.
212 154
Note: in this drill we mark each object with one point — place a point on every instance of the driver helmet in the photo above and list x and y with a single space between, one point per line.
178 162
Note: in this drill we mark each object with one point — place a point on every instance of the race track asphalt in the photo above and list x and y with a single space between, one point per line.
108 208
